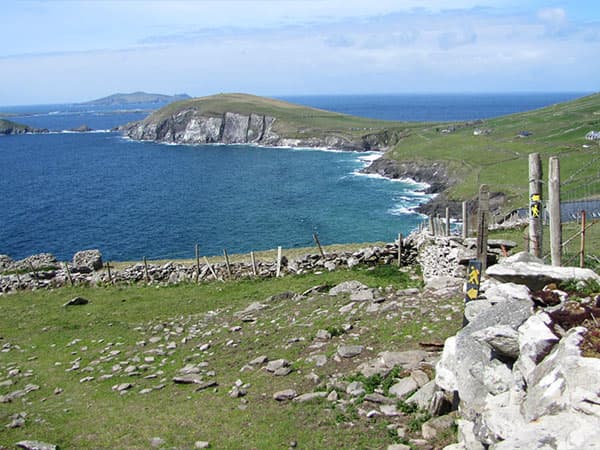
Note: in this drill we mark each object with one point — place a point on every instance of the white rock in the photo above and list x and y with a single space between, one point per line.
445 369
404 387
535 341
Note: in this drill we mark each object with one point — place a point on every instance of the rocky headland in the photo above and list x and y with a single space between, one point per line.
9 127
246 119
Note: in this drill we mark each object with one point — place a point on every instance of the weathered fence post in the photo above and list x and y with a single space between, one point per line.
465 221
582 248
254 271
431 226
69 274
316 238
447 221
211 268
110 280
146 275
227 263
535 204
399 249
278 273
482 225
554 210
197 251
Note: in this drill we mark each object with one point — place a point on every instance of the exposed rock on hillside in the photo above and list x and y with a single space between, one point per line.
246 119
193 127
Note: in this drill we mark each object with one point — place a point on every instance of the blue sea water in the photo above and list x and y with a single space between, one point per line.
63 192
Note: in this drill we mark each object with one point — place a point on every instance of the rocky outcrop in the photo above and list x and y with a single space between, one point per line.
435 174
190 126
9 127
517 368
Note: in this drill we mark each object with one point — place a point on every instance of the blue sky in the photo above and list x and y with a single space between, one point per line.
69 51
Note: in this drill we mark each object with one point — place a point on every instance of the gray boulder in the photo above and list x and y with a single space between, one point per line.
521 269
88 259
6 262
503 339
536 340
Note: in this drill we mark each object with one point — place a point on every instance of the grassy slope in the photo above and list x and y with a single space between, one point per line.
292 120
500 159
91 415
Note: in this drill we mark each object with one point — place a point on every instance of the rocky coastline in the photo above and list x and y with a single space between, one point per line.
190 126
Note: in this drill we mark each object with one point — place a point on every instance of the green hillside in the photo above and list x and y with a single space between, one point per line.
292 120
500 157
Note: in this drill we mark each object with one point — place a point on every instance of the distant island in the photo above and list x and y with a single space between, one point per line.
136 97
10 127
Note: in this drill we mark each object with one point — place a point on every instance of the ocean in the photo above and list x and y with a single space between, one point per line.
67 191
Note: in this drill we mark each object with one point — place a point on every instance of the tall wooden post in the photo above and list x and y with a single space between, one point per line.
146 275
535 205
253 260
227 265
582 248
316 238
278 273
465 221
399 249
431 227
447 221
197 251
554 210
483 215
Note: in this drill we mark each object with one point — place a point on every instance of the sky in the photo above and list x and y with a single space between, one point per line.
70 51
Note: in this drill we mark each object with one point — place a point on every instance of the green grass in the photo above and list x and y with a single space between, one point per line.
500 159
44 339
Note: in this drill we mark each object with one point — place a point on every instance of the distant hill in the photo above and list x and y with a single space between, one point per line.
136 97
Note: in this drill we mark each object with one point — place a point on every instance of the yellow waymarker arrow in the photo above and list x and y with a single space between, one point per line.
472 293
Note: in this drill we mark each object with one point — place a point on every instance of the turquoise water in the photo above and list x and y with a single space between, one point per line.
63 192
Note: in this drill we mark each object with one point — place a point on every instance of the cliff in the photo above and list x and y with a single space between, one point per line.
246 119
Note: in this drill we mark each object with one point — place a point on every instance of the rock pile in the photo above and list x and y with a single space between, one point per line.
517 370
85 266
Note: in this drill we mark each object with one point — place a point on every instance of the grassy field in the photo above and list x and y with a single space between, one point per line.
158 331
500 158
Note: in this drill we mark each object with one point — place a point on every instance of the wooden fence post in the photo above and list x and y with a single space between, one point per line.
447 221
582 248
227 263
197 251
69 273
554 211
399 249
278 273
431 226
146 275
482 225
535 204
316 238
465 221
254 271
211 268
109 274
